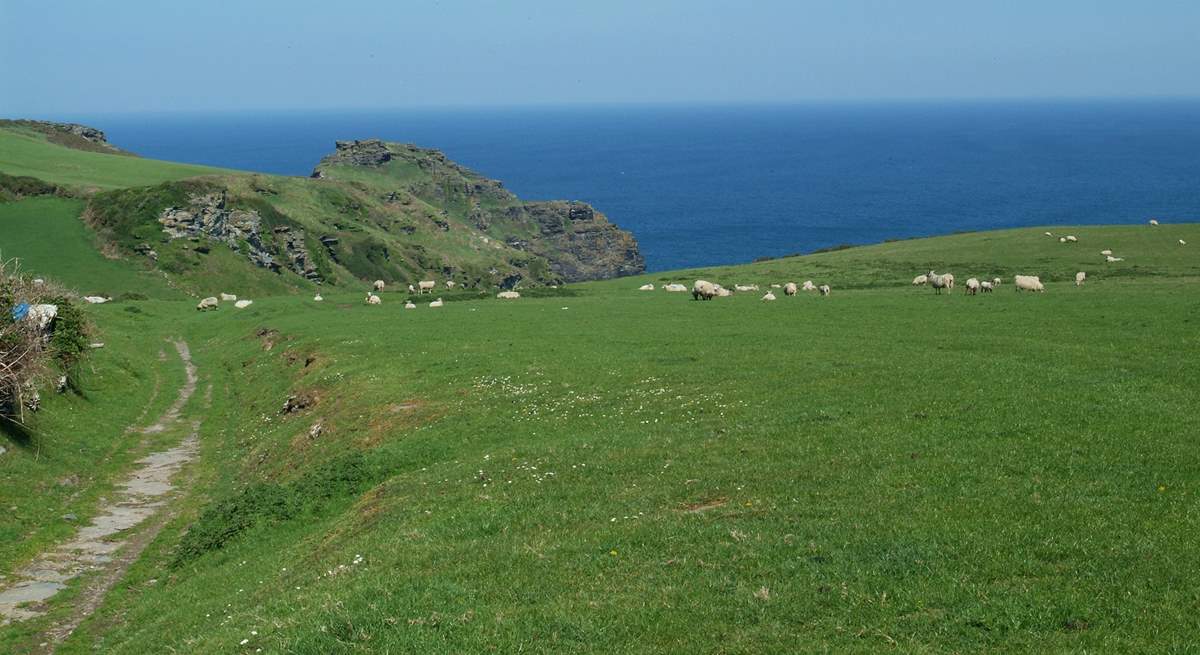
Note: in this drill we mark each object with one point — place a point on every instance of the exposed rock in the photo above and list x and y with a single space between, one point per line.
368 152
208 216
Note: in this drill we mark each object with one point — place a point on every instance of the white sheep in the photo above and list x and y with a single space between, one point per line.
411 289
38 281
769 296
1049 234
674 287
1106 252
949 280
207 304
789 289
1062 239
378 286
1154 221
986 286
937 282
745 287
436 303
409 305
449 284
426 285
228 297
317 298
1182 242
96 300
722 292
1110 259
646 287
996 282
1079 278
242 304
808 286
508 295
1072 238
776 286
972 286
1027 283
703 290
824 289
373 299
920 280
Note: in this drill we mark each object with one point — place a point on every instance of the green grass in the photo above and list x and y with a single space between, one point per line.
25 152
51 241
897 470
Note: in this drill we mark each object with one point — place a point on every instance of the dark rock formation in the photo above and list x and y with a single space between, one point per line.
209 217
369 152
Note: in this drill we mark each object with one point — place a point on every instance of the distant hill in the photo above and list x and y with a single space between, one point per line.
371 210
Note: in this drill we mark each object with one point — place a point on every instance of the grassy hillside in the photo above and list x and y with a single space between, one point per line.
51 241
609 470
27 152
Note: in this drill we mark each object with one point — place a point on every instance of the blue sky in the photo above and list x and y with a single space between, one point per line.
89 56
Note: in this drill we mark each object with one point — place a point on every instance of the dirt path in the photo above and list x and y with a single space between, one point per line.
103 547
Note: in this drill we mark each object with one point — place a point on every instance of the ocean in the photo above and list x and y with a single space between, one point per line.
701 186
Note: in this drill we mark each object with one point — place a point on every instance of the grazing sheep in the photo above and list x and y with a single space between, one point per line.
411 289
207 304
824 289
722 292
409 305
378 286
646 287
1072 238
996 282
449 284
96 300
703 289
1110 259
789 289
426 285
919 280
242 304
1106 252
317 298
1079 278
769 296
1062 239
675 288
1027 283
1048 234
1182 242
808 286
228 297
745 287
972 287
986 286
508 295
436 303
949 280
373 299
776 286
1154 221
938 282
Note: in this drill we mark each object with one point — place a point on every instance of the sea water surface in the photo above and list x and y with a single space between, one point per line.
713 185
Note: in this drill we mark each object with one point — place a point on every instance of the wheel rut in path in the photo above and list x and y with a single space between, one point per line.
108 545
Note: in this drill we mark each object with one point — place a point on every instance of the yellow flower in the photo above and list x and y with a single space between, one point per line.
613 553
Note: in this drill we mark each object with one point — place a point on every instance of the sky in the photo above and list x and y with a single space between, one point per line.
117 56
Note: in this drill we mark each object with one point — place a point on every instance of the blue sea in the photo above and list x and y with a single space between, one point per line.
715 185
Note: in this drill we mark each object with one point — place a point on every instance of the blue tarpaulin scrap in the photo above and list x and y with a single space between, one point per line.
19 311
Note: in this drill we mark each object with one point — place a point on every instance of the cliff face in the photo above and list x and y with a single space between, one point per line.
577 242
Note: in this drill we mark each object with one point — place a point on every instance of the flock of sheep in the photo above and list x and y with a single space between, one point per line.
705 290
212 302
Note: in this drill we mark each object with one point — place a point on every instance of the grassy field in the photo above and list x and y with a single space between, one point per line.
616 471
26 152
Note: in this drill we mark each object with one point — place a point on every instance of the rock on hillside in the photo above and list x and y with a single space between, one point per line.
70 135
578 242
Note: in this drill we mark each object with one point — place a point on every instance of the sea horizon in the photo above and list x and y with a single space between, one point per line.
713 184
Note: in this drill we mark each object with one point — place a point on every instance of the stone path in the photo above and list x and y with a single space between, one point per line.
104 546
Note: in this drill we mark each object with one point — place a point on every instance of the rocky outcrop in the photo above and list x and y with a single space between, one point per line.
71 135
208 216
368 152
579 242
